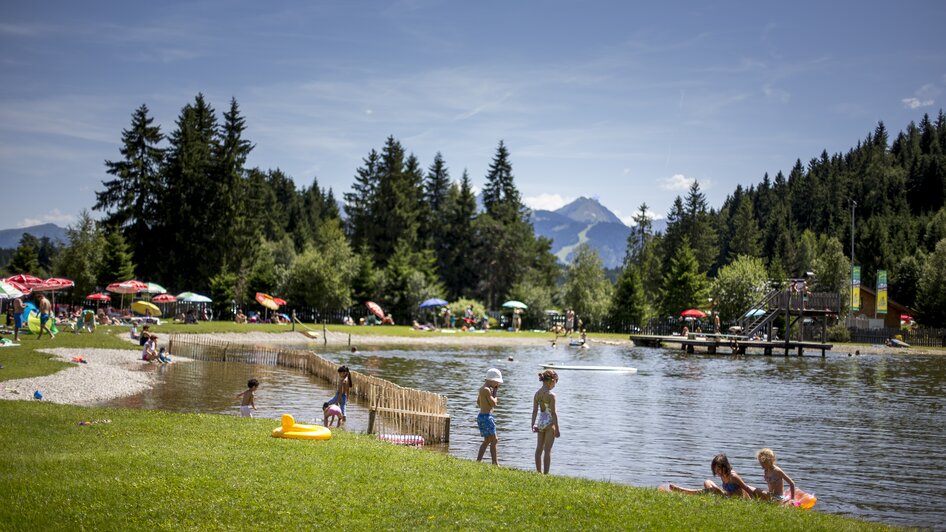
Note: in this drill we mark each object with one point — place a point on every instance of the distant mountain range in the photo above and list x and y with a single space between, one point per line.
10 238
583 220
586 221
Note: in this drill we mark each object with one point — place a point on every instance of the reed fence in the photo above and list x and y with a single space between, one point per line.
393 409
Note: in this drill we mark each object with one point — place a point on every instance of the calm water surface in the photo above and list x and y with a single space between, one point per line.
864 434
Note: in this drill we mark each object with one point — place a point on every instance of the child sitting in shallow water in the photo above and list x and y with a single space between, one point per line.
774 477
732 483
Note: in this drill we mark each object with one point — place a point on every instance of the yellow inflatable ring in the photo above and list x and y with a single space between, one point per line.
291 430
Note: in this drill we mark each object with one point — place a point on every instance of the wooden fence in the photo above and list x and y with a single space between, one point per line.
393 409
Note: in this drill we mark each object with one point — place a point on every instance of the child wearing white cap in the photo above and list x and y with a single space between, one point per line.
487 401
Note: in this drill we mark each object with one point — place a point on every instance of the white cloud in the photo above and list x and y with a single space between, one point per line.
925 96
676 183
54 216
773 93
547 202
915 103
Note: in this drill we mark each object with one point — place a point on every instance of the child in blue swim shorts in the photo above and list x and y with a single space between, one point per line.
487 401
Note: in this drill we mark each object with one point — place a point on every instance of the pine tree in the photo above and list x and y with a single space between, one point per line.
116 264
746 239
501 198
396 209
131 199
359 203
230 234
185 221
684 287
435 215
628 302
456 266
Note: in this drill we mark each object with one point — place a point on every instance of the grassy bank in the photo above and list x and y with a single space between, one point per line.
157 470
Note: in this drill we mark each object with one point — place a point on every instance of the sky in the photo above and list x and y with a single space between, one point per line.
625 103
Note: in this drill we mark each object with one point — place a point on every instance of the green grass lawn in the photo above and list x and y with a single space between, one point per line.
158 470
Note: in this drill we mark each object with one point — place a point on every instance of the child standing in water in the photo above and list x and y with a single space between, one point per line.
248 398
344 386
486 399
774 477
732 482
546 427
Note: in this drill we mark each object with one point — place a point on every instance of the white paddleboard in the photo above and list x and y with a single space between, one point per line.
623 369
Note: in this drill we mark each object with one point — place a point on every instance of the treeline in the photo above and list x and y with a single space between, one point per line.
802 222
183 210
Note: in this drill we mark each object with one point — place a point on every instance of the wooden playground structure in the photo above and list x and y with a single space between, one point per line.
756 330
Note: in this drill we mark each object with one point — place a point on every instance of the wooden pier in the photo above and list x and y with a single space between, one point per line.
716 344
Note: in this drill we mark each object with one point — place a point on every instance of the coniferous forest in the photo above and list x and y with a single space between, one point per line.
181 208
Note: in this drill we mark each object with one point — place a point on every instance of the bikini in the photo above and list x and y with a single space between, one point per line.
731 488
773 478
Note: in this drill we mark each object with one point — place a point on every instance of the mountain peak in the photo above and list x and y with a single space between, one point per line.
589 211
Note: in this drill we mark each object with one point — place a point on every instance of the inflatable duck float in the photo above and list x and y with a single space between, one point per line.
289 429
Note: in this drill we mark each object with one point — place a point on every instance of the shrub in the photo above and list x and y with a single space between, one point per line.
839 333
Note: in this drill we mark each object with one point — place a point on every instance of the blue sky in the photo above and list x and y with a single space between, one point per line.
611 100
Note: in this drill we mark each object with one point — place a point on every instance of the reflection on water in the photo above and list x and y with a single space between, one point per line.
849 429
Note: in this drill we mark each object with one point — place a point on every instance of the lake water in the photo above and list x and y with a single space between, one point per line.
865 434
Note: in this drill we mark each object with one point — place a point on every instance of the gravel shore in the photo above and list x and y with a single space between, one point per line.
107 374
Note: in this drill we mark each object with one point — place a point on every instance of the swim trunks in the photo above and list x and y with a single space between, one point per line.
246 411
487 425
18 321
43 318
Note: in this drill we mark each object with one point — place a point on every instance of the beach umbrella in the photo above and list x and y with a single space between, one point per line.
191 297
754 313
19 286
433 302
693 313
515 304
154 288
266 300
279 301
8 291
98 297
53 285
127 287
163 298
144 307
25 279
375 309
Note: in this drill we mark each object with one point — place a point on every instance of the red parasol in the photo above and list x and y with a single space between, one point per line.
693 313
267 301
127 287
27 280
19 286
53 284
906 317
279 301
375 309
98 297
163 298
